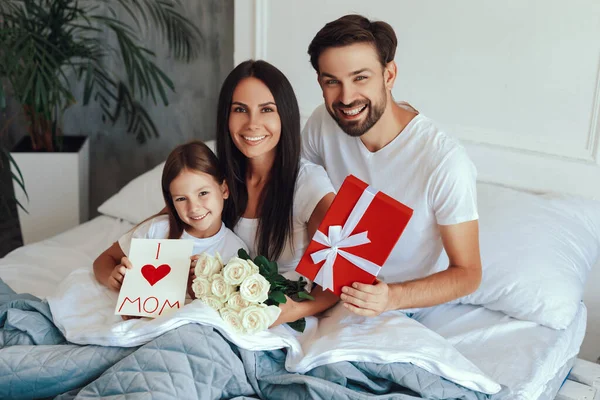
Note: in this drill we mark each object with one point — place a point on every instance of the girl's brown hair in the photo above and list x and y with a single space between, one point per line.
193 156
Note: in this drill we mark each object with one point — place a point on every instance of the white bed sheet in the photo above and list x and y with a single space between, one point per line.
521 355
38 268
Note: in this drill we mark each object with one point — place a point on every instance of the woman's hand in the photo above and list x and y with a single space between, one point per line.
289 312
115 279
192 275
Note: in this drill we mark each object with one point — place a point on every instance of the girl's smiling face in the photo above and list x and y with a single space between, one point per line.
198 199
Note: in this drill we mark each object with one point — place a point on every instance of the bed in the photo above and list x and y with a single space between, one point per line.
529 352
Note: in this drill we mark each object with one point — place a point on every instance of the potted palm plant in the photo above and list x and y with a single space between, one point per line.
55 53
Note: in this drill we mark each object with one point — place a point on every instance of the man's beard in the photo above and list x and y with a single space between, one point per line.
359 128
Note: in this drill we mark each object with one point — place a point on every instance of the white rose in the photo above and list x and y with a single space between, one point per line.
236 302
219 288
212 302
201 287
253 266
236 271
208 265
258 317
255 288
232 317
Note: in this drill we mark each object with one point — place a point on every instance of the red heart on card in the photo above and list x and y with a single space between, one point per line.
153 274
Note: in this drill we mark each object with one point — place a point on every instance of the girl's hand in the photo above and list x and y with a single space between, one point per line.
115 280
289 312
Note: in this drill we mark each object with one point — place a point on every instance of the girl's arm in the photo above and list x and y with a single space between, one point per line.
110 267
291 310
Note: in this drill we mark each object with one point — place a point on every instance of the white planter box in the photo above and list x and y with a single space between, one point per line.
58 189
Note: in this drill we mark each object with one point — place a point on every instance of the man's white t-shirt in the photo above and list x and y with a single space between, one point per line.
312 184
225 241
423 168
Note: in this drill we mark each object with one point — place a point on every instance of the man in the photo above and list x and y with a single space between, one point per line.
361 130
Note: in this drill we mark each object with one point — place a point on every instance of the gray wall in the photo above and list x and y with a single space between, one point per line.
116 157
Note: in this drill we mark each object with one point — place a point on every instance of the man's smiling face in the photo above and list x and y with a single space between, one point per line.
352 80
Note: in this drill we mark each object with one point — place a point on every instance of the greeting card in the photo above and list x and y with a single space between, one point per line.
156 284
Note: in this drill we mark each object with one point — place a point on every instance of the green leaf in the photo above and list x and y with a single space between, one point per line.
272 267
279 279
305 295
21 206
89 83
159 86
298 325
183 38
132 14
278 296
20 182
243 254
262 262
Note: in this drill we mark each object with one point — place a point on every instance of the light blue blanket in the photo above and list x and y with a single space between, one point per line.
190 362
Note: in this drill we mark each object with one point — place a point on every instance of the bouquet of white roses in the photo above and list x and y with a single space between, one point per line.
246 293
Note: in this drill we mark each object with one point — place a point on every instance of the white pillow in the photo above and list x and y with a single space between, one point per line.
536 251
140 198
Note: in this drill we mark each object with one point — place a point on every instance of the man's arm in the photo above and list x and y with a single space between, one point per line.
463 276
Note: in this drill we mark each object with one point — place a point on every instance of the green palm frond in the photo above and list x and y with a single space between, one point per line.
45 38
142 72
181 36
8 7
45 45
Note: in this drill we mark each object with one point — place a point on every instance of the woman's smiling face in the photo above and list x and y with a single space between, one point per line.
254 123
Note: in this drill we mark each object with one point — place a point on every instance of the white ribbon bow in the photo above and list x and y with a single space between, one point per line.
339 237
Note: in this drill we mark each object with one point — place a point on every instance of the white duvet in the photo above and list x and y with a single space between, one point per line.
84 312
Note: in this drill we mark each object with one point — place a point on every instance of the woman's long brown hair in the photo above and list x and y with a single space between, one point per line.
275 208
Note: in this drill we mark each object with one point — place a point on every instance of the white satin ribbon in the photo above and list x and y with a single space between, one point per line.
339 237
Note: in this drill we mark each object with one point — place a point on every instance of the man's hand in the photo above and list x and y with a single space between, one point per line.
367 300
115 280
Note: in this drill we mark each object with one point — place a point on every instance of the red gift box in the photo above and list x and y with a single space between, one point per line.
356 236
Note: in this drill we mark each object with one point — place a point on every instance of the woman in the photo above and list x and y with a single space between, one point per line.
276 199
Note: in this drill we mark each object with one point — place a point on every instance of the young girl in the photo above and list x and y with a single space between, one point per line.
194 190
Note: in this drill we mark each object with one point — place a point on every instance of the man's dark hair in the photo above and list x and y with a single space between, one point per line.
351 29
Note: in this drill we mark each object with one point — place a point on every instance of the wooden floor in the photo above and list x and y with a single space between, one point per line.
583 383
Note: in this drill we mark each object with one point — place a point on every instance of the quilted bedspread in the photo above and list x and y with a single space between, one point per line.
190 362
